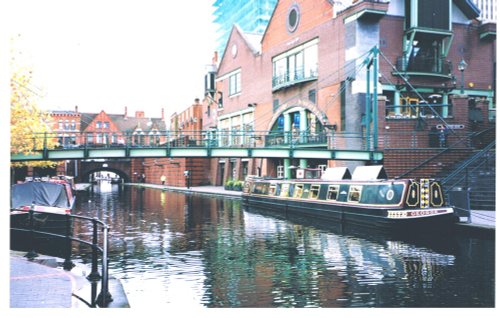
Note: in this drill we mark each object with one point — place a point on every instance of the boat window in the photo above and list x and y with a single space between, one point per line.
284 189
297 193
314 192
333 192
412 198
272 189
260 188
436 195
354 193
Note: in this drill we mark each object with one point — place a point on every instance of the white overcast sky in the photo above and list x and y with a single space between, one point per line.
108 54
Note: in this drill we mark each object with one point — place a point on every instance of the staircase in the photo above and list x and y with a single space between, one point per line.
477 173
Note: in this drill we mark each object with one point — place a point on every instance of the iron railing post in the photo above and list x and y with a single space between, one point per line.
31 254
104 297
68 264
94 275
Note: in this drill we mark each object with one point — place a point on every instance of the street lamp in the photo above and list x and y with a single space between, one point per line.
462 65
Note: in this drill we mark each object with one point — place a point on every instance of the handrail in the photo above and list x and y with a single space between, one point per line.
465 166
458 142
104 297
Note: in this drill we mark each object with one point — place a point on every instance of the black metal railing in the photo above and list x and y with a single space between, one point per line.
297 76
461 174
424 65
205 138
452 142
96 300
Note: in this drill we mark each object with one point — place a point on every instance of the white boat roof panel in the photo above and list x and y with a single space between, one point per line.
363 173
337 173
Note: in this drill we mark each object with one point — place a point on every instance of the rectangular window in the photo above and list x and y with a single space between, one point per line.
106 124
280 171
312 96
235 83
98 124
296 65
314 192
285 187
333 192
297 192
272 189
354 193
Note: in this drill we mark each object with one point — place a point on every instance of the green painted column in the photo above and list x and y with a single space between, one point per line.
303 163
286 168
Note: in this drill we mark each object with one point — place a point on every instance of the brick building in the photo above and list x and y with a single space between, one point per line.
185 130
307 74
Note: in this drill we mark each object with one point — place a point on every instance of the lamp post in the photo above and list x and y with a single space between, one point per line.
462 65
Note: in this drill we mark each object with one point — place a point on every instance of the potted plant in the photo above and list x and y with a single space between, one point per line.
229 185
237 185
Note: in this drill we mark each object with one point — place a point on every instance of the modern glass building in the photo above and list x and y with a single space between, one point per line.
251 16
488 9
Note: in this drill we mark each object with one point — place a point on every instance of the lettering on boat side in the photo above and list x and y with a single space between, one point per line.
415 213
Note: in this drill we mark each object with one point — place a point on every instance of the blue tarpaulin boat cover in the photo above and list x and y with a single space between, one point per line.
39 193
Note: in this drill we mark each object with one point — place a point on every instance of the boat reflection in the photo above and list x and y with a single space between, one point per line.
222 255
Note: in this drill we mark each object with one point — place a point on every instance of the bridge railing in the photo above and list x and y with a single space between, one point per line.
205 138
389 138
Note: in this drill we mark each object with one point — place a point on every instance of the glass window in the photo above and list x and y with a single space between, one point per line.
354 193
285 187
98 124
272 189
297 192
314 192
235 83
333 192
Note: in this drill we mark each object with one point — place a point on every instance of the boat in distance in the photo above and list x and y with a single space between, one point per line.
366 198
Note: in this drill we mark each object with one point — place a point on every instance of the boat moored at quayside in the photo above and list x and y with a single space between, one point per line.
44 205
366 197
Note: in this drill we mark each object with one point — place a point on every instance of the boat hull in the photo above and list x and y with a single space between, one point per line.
49 233
427 219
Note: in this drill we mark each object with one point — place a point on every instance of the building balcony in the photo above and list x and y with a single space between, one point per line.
292 78
437 67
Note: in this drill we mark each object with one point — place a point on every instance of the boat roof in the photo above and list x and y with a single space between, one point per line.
40 193
368 173
337 173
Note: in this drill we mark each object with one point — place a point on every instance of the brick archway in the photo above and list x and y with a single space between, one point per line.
300 103
121 168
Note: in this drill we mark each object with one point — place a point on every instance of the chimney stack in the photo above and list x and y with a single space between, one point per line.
125 115
162 113
76 109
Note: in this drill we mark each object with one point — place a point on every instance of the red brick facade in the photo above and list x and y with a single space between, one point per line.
340 36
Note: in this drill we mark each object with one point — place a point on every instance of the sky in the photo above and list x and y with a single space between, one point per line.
109 54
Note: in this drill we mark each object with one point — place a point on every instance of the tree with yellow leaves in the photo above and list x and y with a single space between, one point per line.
27 121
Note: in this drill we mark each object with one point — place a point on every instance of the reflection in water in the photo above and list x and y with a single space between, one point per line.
191 250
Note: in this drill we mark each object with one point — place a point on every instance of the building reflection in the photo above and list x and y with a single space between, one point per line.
226 256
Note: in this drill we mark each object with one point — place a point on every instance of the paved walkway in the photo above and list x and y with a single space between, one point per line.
35 285
42 283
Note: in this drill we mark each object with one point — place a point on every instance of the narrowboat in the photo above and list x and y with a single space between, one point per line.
50 199
365 197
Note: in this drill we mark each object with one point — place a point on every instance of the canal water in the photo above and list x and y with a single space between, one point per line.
175 249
